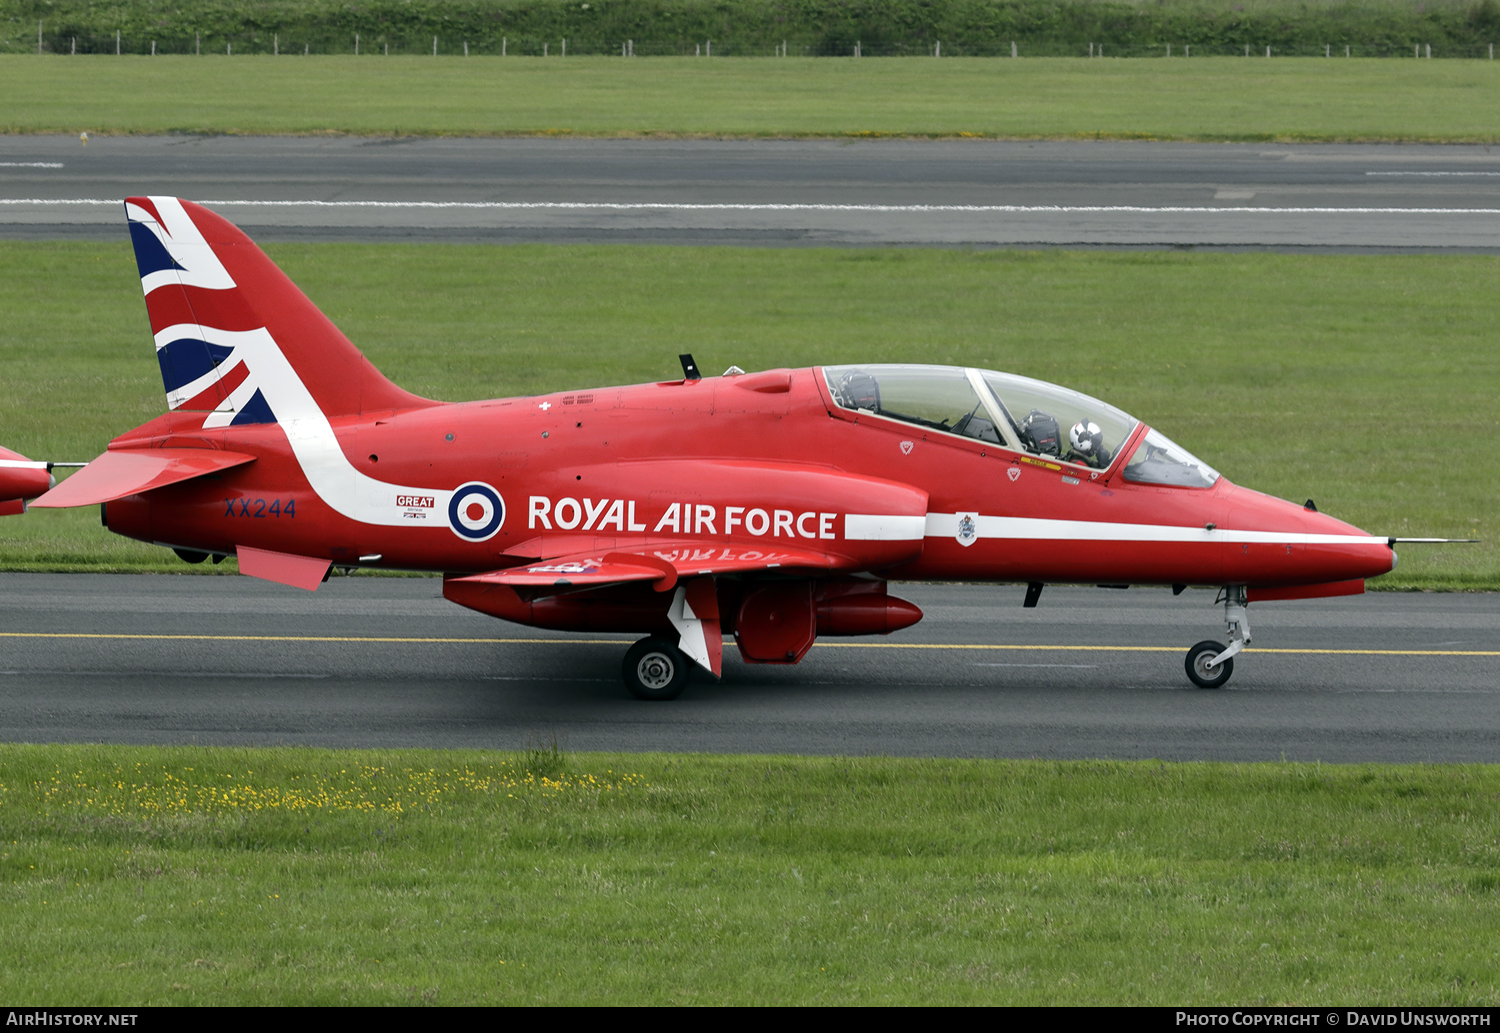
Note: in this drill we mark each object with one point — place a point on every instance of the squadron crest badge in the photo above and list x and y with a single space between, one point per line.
968 528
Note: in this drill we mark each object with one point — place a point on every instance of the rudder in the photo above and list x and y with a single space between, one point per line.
234 336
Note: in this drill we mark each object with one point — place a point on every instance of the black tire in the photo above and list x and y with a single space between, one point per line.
190 555
1208 678
655 669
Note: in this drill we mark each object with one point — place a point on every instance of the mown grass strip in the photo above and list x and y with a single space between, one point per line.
148 875
1211 99
1362 382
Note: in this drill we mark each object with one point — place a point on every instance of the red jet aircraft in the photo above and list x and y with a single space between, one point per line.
21 479
772 507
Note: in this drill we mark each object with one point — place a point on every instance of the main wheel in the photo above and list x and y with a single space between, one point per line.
1200 673
655 669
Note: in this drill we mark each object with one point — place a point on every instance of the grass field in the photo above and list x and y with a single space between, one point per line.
190 876
1366 383
1193 99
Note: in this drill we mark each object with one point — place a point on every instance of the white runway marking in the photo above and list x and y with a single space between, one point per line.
31 164
727 207
1432 173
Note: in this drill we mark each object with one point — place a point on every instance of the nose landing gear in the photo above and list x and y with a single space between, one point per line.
1209 664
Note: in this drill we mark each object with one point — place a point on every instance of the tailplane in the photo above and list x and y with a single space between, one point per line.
235 338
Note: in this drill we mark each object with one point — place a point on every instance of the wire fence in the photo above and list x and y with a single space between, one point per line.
65 42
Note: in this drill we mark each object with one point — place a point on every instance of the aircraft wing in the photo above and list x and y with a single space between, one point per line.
116 474
662 563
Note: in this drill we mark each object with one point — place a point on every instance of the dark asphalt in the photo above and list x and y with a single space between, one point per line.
846 698
1383 197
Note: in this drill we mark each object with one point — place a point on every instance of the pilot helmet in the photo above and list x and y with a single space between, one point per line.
1086 437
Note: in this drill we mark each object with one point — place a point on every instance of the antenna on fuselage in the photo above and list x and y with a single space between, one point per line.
689 368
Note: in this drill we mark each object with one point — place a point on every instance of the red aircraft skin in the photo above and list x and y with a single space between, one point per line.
797 510
20 479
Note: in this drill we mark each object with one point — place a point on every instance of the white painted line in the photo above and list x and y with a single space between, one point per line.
1432 173
667 206
31 164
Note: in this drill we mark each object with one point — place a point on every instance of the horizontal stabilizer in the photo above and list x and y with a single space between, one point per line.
116 474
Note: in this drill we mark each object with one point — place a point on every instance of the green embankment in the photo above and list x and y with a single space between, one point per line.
189 876
752 27
1364 382
1194 99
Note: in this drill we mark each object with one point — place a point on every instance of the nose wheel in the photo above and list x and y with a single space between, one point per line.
1198 670
655 669
1209 664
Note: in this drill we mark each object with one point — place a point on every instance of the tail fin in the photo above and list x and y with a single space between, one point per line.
234 336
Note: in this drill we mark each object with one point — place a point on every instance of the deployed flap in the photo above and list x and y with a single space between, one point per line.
568 571
283 567
700 557
117 474
662 564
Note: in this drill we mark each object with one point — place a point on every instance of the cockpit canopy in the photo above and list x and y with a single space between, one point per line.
1014 412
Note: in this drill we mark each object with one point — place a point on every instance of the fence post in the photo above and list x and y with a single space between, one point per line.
1187 50
197 44
434 46
1268 51
1346 50
38 37
275 44
153 48
1247 50
565 47
73 50
1429 51
544 49
1012 48
937 49
1169 50
1325 50
503 42
228 49
356 44
117 43
708 48
466 48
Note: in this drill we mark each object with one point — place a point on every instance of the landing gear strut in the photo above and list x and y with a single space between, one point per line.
1209 664
655 669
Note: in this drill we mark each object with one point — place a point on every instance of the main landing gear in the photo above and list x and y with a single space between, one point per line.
1209 664
655 669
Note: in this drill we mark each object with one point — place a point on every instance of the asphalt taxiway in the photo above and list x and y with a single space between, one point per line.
382 662
970 193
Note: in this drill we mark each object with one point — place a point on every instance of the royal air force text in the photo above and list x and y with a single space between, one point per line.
569 514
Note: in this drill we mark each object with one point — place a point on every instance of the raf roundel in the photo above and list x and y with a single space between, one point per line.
476 511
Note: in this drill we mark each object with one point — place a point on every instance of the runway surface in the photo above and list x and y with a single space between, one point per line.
381 662
779 193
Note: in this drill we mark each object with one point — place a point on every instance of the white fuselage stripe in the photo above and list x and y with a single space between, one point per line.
945 525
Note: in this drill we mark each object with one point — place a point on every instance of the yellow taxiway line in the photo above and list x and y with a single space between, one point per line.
625 642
